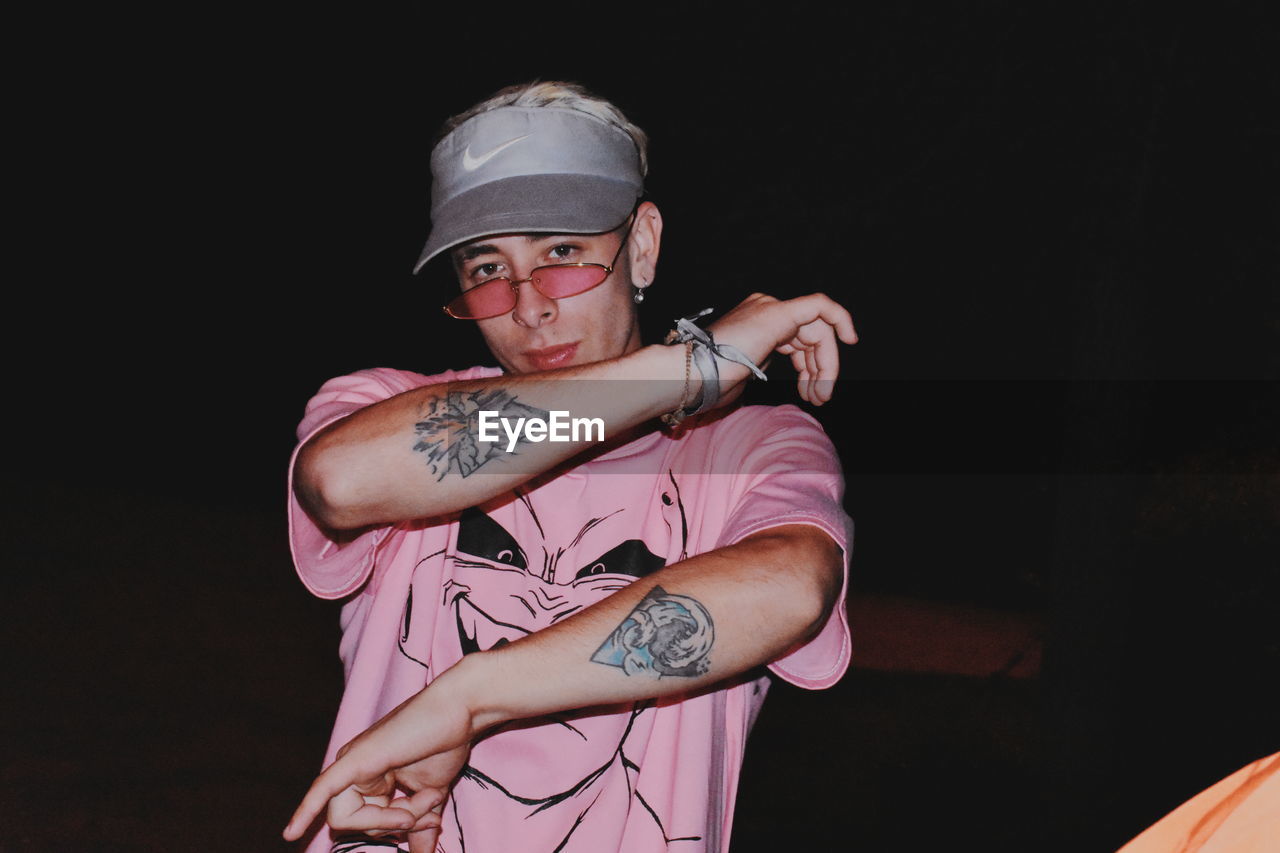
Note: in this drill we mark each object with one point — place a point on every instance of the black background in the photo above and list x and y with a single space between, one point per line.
1055 224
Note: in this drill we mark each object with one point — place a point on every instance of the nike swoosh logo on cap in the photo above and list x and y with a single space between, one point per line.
470 163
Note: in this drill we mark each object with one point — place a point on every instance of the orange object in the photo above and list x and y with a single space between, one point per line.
1240 814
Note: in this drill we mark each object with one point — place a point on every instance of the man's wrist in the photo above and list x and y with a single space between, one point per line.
677 381
470 682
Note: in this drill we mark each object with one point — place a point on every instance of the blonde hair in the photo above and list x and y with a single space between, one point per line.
562 95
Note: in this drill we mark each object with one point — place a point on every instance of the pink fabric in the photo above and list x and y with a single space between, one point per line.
648 777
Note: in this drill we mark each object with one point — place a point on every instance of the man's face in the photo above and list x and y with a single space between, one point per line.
541 333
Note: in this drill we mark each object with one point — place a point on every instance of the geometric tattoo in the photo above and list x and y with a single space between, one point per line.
665 635
448 435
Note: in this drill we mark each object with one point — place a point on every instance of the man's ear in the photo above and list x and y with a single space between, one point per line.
644 244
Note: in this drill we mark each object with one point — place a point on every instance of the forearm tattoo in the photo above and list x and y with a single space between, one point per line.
448 432
665 635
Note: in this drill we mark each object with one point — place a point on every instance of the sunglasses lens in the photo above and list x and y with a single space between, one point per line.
559 282
490 299
496 296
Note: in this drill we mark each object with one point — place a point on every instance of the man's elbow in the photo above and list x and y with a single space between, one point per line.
326 489
816 565
827 562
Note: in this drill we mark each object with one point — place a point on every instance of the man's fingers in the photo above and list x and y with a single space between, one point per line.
815 376
816 358
423 837
819 306
826 358
372 817
425 841
806 329
841 320
799 362
423 805
313 803
337 790
351 809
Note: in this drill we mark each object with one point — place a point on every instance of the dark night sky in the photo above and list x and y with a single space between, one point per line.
1036 216
1055 223
960 176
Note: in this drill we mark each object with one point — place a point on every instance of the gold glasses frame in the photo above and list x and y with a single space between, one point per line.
532 279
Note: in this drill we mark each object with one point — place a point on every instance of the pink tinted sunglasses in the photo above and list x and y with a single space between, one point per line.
499 295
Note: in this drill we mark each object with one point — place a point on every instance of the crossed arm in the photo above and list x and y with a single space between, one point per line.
686 626
681 628
415 455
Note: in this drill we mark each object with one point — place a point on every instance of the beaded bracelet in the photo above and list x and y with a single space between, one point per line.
673 418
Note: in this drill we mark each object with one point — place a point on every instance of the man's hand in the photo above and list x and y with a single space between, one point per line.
807 328
418 748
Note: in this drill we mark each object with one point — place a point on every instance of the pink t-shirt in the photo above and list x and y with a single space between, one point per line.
650 776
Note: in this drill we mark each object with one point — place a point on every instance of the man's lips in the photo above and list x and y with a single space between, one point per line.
551 357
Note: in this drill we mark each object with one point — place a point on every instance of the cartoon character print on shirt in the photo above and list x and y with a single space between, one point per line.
504 584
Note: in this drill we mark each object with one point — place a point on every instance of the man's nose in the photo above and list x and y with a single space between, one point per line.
533 309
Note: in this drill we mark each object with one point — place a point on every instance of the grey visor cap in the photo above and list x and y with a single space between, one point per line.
530 169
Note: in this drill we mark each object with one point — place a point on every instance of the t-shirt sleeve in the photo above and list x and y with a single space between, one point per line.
335 568
789 473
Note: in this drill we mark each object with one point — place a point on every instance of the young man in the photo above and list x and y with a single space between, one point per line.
553 645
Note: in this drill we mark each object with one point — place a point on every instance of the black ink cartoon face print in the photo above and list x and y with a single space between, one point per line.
546 569
521 568
501 590
482 537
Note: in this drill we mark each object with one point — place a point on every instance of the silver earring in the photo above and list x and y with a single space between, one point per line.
638 296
